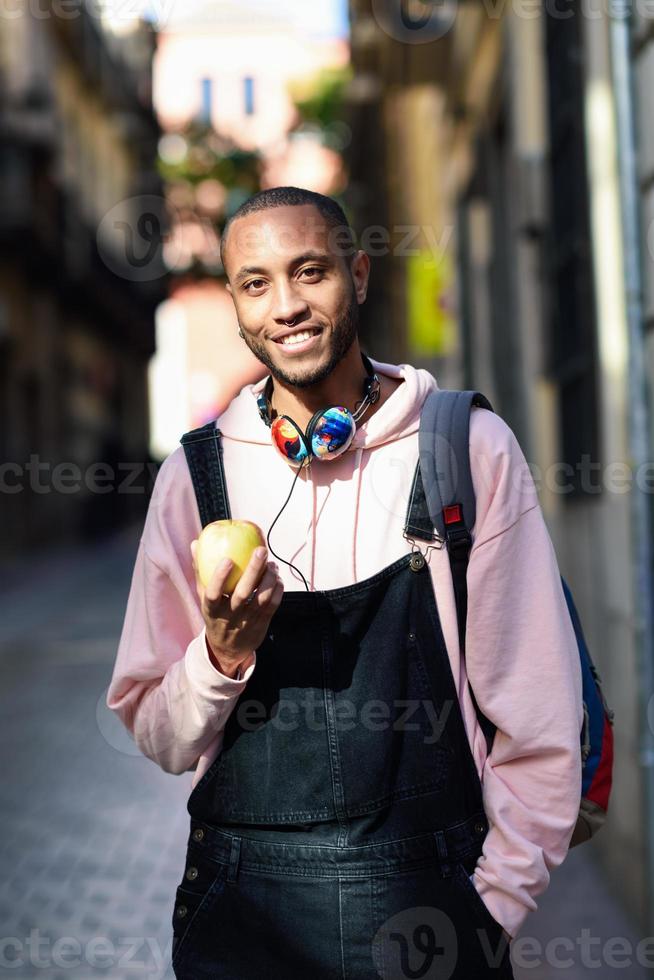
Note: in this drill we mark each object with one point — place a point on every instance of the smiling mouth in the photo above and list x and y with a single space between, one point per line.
298 338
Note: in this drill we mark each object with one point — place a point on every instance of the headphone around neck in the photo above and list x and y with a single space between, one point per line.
330 430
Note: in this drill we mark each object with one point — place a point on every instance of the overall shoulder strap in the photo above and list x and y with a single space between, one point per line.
444 451
204 455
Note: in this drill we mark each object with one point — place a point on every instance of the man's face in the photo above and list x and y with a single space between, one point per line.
289 271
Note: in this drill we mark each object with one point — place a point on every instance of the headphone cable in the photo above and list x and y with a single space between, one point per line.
290 564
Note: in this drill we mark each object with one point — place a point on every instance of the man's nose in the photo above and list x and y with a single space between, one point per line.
288 305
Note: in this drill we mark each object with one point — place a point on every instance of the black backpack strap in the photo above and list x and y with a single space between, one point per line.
445 454
418 522
204 455
444 451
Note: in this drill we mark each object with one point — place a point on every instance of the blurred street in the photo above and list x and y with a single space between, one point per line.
94 834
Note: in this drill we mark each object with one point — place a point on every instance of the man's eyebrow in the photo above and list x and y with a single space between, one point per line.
248 270
311 255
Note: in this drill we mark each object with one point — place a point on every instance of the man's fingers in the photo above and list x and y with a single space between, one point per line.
277 592
250 578
266 587
217 581
216 587
254 577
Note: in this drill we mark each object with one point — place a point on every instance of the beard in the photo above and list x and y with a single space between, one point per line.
343 336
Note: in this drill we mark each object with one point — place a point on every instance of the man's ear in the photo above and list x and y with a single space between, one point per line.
228 288
360 271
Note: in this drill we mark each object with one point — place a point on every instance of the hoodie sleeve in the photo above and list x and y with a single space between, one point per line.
164 687
523 665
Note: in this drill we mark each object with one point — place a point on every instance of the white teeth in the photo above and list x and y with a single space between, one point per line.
298 338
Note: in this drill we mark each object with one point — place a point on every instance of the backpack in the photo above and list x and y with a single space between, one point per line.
449 492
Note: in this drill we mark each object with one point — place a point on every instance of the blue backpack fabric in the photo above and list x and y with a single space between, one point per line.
449 494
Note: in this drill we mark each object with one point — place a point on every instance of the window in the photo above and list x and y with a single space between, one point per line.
248 94
206 100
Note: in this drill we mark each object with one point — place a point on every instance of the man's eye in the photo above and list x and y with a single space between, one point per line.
253 282
312 270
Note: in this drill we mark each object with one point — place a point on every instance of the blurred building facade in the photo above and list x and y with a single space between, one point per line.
494 135
230 67
78 144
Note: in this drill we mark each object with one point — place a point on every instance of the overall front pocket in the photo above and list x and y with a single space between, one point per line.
481 908
490 934
201 885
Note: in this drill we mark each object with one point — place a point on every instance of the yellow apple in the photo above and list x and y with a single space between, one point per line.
226 539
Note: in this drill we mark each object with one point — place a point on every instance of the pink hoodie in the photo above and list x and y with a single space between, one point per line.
521 654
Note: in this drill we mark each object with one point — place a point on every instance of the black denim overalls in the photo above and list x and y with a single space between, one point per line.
333 835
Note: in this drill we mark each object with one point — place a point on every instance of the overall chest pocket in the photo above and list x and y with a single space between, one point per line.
391 732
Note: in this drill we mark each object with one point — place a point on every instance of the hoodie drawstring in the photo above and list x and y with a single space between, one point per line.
358 469
313 533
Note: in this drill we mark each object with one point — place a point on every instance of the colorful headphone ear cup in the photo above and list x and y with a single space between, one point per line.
288 439
313 422
330 432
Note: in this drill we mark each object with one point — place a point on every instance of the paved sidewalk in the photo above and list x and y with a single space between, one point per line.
94 835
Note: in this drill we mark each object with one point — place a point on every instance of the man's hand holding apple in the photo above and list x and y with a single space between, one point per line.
234 626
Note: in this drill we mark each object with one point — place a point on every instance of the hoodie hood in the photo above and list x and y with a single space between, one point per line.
397 418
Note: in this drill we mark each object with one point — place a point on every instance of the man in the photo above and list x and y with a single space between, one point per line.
346 818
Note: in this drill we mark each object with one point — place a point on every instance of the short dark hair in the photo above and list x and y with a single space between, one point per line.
277 197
